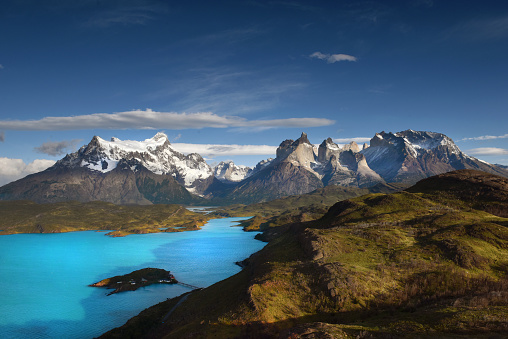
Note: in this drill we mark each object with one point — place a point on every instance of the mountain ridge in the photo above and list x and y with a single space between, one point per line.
151 171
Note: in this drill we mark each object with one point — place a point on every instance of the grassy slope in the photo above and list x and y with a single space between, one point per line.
377 265
30 217
299 208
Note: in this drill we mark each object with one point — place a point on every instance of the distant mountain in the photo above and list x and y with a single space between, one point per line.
403 157
124 172
345 166
227 171
155 154
409 156
290 173
151 171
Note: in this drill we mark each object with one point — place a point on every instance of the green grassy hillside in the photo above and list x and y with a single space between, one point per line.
390 266
29 217
298 208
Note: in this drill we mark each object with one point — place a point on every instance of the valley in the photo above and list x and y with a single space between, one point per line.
405 264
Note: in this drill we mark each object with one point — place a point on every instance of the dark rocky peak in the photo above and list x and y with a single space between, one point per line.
289 145
302 140
380 139
388 140
93 151
95 141
348 159
327 149
326 142
93 145
282 150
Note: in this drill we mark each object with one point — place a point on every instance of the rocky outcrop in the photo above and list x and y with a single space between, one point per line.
136 279
345 166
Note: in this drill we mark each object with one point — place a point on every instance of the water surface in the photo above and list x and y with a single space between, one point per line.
44 277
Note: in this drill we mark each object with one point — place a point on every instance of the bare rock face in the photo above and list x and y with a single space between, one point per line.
352 146
290 173
345 166
299 152
327 149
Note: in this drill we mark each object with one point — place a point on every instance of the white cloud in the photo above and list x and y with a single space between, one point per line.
340 57
319 55
213 150
348 140
333 58
487 151
14 169
148 119
487 137
55 148
2 136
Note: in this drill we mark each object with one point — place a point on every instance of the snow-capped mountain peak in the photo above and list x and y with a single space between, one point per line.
227 171
155 154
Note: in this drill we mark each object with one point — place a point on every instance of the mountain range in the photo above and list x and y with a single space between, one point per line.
152 171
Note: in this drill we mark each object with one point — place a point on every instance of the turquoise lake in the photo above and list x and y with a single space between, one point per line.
44 277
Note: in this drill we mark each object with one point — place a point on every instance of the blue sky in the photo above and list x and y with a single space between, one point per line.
258 72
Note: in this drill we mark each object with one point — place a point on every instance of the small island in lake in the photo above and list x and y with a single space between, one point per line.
134 280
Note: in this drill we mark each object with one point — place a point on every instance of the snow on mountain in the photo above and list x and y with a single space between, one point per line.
227 171
409 156
155 154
